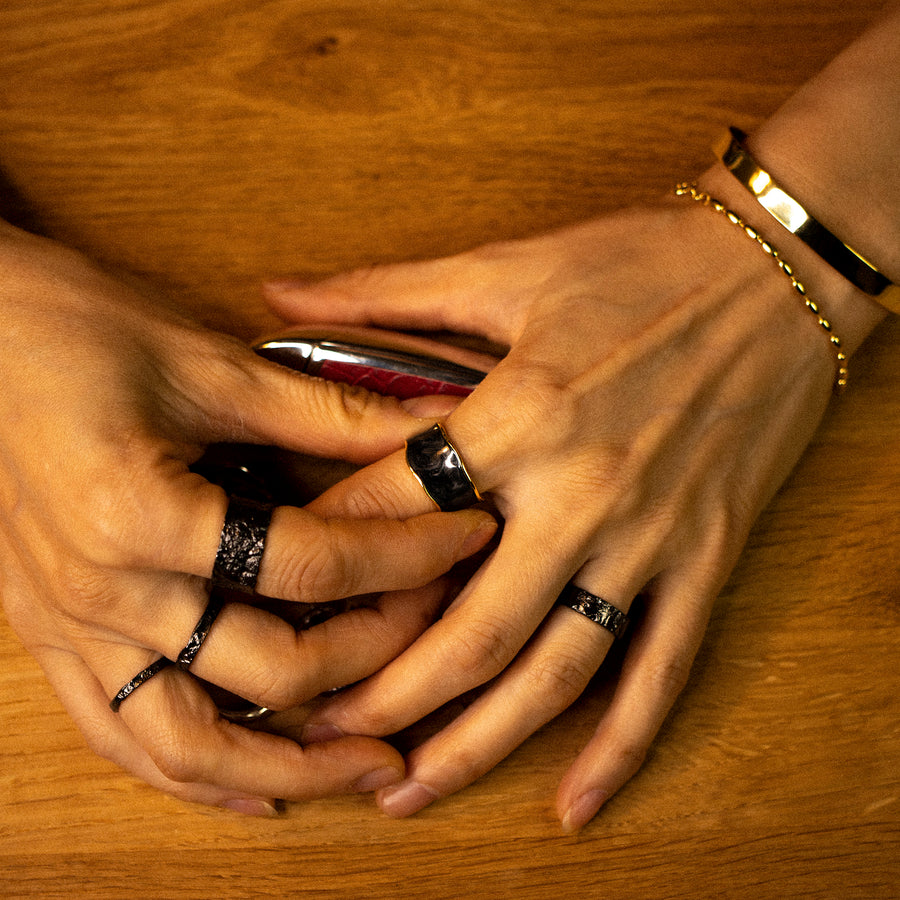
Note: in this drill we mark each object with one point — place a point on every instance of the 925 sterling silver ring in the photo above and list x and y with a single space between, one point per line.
439 468
241 545
594 608
250 713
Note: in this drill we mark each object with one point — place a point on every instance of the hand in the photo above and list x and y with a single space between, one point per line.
662 379
108 539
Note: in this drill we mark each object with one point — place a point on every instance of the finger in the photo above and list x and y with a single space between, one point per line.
264 659
177 725
544 679
481 430
385 488
108 736
311 559
470 294
306 558
472 642
548 675
656 670
226 392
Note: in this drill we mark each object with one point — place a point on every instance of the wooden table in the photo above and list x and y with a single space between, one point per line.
206 144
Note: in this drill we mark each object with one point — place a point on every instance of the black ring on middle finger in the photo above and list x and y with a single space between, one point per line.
241 544
594 608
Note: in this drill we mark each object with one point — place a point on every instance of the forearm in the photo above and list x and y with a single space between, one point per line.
834 147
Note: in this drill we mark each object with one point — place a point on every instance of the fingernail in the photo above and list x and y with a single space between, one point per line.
405 799
375 781
248 807
583 810
320 733
480 536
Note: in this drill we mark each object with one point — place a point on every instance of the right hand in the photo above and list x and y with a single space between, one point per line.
107 539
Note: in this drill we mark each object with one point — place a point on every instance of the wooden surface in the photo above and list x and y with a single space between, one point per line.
207 144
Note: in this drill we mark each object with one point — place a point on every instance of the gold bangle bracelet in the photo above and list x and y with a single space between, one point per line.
789 213
704 199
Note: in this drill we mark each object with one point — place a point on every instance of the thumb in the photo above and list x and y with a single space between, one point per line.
234 395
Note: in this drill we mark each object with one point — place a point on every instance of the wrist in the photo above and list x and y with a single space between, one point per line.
832 147
853 313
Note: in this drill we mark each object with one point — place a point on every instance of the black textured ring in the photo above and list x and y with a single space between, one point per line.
201 630
241 545
144 675
439 468
594 608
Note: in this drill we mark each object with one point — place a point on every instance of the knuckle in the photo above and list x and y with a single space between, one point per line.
482 650
99 737
370 499
562 676
107 519
541 391
177 757
321 572
281 686
85 589
341 414
668 677
343 406
725 531
630 756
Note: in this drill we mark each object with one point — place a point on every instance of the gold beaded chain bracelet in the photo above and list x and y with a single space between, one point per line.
691 190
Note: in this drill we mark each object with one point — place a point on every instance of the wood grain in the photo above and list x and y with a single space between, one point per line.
207 144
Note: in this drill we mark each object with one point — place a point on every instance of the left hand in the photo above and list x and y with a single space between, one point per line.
662 379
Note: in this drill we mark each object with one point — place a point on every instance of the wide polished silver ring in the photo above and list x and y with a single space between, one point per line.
594 608
241 545
439 468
